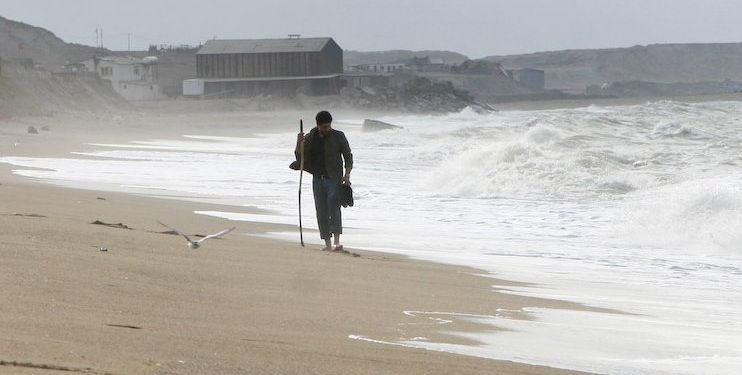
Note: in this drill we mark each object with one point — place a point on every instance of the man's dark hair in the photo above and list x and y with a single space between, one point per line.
323 117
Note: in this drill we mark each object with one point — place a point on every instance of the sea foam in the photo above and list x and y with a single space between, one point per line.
631 209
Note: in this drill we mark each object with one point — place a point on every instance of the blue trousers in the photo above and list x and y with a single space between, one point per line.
327 206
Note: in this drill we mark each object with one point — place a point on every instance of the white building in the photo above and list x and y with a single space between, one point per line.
134 79
533 78
378 68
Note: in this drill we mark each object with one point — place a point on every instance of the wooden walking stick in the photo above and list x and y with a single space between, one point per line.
301 174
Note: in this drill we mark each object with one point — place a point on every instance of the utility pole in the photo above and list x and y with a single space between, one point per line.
129 39
97 40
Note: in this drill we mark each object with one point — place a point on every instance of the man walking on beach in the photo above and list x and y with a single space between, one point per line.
325 149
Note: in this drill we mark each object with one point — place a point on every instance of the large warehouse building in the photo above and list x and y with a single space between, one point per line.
248 67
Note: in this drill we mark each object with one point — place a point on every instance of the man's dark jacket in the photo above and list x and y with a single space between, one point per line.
337 149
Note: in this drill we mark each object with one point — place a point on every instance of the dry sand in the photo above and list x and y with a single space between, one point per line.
239 305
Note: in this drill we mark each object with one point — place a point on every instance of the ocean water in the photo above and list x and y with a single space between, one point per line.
634 209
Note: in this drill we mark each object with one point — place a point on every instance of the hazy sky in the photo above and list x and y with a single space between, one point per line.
476 28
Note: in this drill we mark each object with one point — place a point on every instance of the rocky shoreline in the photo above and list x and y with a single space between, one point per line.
419 95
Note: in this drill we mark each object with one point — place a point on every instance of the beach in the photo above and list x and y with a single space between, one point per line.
102 299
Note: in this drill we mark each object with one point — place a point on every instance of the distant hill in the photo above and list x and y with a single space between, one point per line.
35 91
398 56
41 45
574 70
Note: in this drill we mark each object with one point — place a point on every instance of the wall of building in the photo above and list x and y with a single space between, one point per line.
293 64
380 68
331 59
193 87
138 90
534 79
288 64
120 72
133 81
326 86
278 64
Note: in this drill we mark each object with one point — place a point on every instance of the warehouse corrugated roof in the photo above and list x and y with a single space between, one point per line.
214 47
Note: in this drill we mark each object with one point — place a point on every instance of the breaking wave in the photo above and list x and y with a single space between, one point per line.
541 161
701 216
589 152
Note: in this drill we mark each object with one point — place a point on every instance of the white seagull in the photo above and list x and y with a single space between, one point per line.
196 244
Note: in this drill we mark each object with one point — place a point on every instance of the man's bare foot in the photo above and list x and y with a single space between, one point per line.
328 245
337 248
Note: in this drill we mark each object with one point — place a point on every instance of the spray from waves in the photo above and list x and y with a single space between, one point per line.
672 129
542 161
700 216
588 152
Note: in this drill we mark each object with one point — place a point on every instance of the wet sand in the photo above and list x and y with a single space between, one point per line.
239 305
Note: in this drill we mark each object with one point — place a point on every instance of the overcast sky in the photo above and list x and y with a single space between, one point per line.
476 28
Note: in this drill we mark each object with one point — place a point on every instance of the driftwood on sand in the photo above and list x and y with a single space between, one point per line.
112 225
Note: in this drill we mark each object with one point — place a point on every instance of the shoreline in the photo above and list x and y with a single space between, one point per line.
190 309
610 102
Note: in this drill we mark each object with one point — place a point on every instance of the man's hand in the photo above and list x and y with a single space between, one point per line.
345 180
299 141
